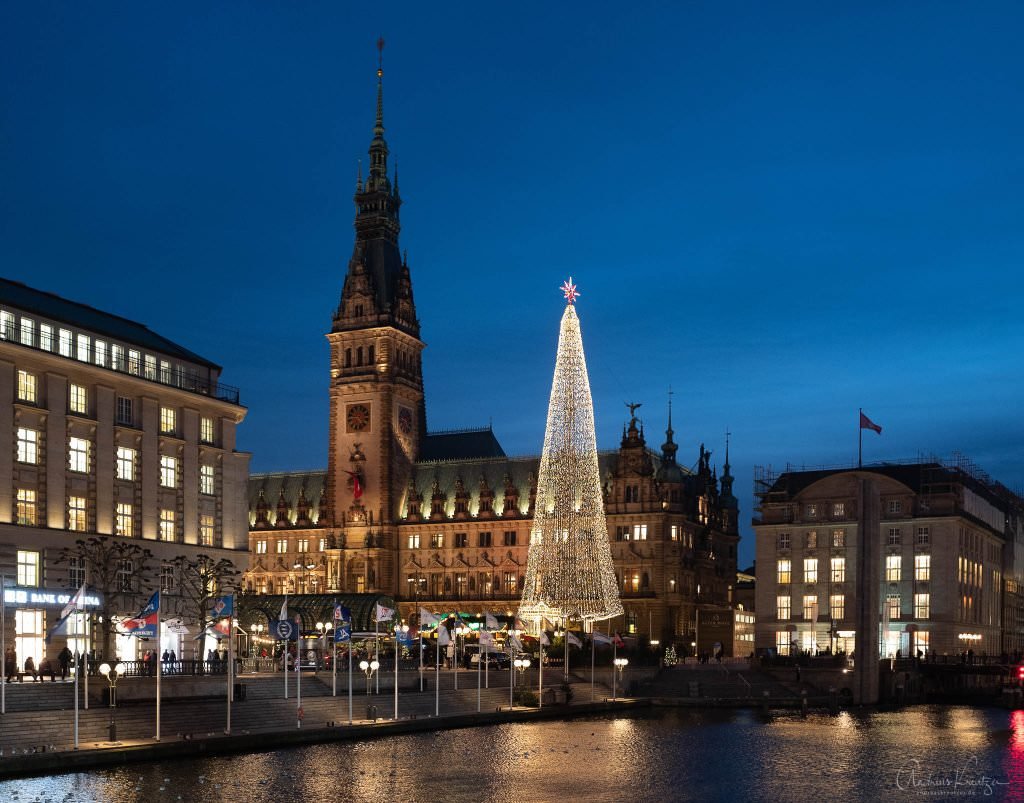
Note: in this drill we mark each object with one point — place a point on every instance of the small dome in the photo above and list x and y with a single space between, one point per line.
669 472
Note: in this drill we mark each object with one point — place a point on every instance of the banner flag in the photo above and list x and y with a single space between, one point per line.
146 624
383 613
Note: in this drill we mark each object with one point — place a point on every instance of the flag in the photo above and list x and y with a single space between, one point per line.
76 604
284 609
486 640
428 619
573 639
341 613
443 637
617 640
600 638
146 624
223 606
515 643
544 640
867 423
343 631
383 613
222 626
519 624
357 486
490 622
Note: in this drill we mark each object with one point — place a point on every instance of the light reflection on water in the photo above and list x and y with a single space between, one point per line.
664 755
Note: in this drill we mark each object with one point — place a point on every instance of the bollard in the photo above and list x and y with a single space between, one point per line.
803 703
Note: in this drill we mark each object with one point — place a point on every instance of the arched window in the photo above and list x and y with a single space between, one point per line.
359 356
645 581
348 358
369 359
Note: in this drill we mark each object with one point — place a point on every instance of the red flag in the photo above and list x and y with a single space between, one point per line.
357 488
617 640
867 423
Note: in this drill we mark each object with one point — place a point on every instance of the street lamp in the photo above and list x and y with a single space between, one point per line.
322 629
521 664
369 667
112 674
620 665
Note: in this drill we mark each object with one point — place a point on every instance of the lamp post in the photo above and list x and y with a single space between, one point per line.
258 631
521 665
620 665
322 629
401 631
369 667
112 674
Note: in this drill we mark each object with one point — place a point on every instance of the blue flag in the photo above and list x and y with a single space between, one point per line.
223 606
284 629
147 623
342 632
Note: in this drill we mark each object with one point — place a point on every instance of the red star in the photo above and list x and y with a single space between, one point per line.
569 289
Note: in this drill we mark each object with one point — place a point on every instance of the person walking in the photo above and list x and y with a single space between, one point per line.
10 663
64 659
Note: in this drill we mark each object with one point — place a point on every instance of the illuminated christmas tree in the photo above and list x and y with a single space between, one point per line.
569 573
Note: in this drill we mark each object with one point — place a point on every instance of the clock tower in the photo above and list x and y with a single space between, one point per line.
376 383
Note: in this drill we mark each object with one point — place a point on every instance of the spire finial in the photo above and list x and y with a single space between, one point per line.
379 127
569 291
727 434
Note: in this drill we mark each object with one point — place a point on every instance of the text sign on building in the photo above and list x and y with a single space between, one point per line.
35 597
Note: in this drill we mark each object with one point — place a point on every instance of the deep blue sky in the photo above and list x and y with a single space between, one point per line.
784 211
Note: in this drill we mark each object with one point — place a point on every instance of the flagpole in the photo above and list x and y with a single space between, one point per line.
479 660
156 658
615 666
85 677
376 648
860 439
437 673
298 674
420 633
565 627
284 663
540 674
231 660
3 648
334 660
592 650
511 676
350 677
396 670
78 671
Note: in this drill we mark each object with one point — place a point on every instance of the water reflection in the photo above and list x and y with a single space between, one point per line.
666 755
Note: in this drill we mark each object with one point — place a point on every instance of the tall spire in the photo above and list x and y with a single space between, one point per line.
669 448
379 148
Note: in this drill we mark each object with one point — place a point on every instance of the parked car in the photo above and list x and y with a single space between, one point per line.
495 660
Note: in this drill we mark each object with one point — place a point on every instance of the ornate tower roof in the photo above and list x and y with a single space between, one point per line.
378 289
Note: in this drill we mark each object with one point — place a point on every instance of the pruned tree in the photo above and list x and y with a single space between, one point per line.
117 569
202 579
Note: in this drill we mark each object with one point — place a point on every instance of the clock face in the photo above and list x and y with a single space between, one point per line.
405 420
358 417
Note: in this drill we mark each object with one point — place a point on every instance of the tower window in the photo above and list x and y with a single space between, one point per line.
348 358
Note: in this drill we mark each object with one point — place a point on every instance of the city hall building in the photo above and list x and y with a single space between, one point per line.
443 519
107 430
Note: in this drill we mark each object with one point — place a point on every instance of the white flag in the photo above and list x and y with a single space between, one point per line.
514 641
573 639
486 640
384 613
600 638
284 610
490 622
76 604
544 640
428 619
443 639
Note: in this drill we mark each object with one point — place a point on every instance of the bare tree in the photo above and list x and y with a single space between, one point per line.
118 570
201 580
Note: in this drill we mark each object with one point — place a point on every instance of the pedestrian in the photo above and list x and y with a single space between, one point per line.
30 669
64 660
165 656
46 668
10 663
798 673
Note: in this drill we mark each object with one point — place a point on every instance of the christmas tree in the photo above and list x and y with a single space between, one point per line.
569 572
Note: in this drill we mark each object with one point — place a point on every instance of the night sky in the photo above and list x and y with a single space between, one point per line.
782 211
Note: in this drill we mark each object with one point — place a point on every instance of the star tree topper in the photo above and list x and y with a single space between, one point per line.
569 289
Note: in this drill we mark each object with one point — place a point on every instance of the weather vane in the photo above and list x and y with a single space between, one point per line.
380 55
569 289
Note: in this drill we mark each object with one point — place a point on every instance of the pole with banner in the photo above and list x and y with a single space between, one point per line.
396 671
298 671
283 632
223 614
343 635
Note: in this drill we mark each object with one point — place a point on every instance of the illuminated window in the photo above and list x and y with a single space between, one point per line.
893 565
76 513
82 352
509 583
810 607
811 511
206 430
838 570
302 545
45 337
206 480
437 540
675 532
28 331
839 538
810 570
167 532
117 357
150 366
631 621
27 387
782 639
100 353
134 362
461 540
78 455
206 530
282 546
812 540
414 541
923 535
7 331
26 506
124 520
893 606
261 547
168 471
28 445
894 536
923 568
922 606
838 510
783 542
837 606
322 544
125 463
639 532
64 343
29 634
784 571
125 413
782 607
168 420
78 399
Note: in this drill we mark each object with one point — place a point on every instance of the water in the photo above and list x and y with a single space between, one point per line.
924 753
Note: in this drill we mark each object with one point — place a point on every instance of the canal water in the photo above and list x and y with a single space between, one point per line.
922 753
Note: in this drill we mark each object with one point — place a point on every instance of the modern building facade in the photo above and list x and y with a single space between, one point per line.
923 556
442 520
107 429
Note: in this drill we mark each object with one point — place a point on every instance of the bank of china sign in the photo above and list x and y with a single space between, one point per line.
34 597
